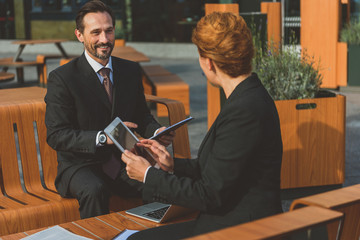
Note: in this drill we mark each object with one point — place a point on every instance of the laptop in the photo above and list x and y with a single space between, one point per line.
159 212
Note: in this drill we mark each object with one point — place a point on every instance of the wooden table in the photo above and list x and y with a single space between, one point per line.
129 53
41 68
103 227
23 43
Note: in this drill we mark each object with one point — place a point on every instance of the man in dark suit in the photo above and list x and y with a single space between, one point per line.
79 107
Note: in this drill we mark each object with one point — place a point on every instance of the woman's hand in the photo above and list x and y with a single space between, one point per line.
161 155
135 165
166 139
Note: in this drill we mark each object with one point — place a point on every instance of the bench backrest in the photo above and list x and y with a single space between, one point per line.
23 133
346 200
279 226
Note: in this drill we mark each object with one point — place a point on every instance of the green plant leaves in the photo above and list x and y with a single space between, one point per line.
286 73
351 33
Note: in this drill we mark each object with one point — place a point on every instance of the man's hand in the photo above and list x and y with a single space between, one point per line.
131 125
109 141
135 165
166 139
128 124
161 155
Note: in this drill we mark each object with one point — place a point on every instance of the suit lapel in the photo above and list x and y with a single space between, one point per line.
91 81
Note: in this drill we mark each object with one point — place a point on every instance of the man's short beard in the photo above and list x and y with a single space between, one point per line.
102 56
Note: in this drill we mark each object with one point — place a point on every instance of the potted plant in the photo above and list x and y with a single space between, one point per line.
351 35
312 120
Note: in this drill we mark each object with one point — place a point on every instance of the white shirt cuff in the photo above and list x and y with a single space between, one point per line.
156 131
155 166
97 139
146 173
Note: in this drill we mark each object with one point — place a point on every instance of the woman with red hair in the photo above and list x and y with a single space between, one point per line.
236 176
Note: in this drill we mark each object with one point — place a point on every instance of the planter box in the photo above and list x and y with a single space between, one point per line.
353 65
314 141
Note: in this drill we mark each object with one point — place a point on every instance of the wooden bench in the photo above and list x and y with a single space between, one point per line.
345 200
279 226
6 63
42 58
162 83
6 76
35 203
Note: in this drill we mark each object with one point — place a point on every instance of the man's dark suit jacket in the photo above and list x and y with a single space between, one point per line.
236 177
77 107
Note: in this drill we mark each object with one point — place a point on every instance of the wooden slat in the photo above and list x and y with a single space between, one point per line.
129 53
273 11
150 224
346 200
77 230
314 142
119 43
97 227
42 58
214 7
342 64
277 226
38 41
121 221
173 87
14 236
6 76
22 95
155 70
150 71
320 22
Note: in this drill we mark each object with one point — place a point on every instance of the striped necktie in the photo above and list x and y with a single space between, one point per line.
105 73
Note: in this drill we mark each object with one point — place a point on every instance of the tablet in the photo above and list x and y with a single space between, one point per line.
124 138
171 128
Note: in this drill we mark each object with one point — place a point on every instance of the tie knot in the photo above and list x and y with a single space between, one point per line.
104 72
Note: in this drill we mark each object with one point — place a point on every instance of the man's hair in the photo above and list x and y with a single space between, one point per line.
92 7
226 39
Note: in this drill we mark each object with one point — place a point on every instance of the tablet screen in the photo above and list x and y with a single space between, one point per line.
123 138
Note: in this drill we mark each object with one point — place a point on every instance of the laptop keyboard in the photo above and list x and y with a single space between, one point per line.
157 214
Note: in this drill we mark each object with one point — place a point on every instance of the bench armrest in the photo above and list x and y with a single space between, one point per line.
176 111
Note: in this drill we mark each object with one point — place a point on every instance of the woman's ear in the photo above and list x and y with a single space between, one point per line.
211 65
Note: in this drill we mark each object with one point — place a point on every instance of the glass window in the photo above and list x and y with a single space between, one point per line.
355 9
291 22
36 6
66 5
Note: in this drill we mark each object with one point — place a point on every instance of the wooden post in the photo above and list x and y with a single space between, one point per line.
213 93
320 26
273 12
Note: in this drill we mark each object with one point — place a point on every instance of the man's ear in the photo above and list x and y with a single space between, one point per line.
79 35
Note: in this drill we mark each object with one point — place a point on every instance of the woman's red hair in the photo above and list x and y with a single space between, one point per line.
225 38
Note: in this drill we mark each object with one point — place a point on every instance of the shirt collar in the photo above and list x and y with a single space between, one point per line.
97 66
